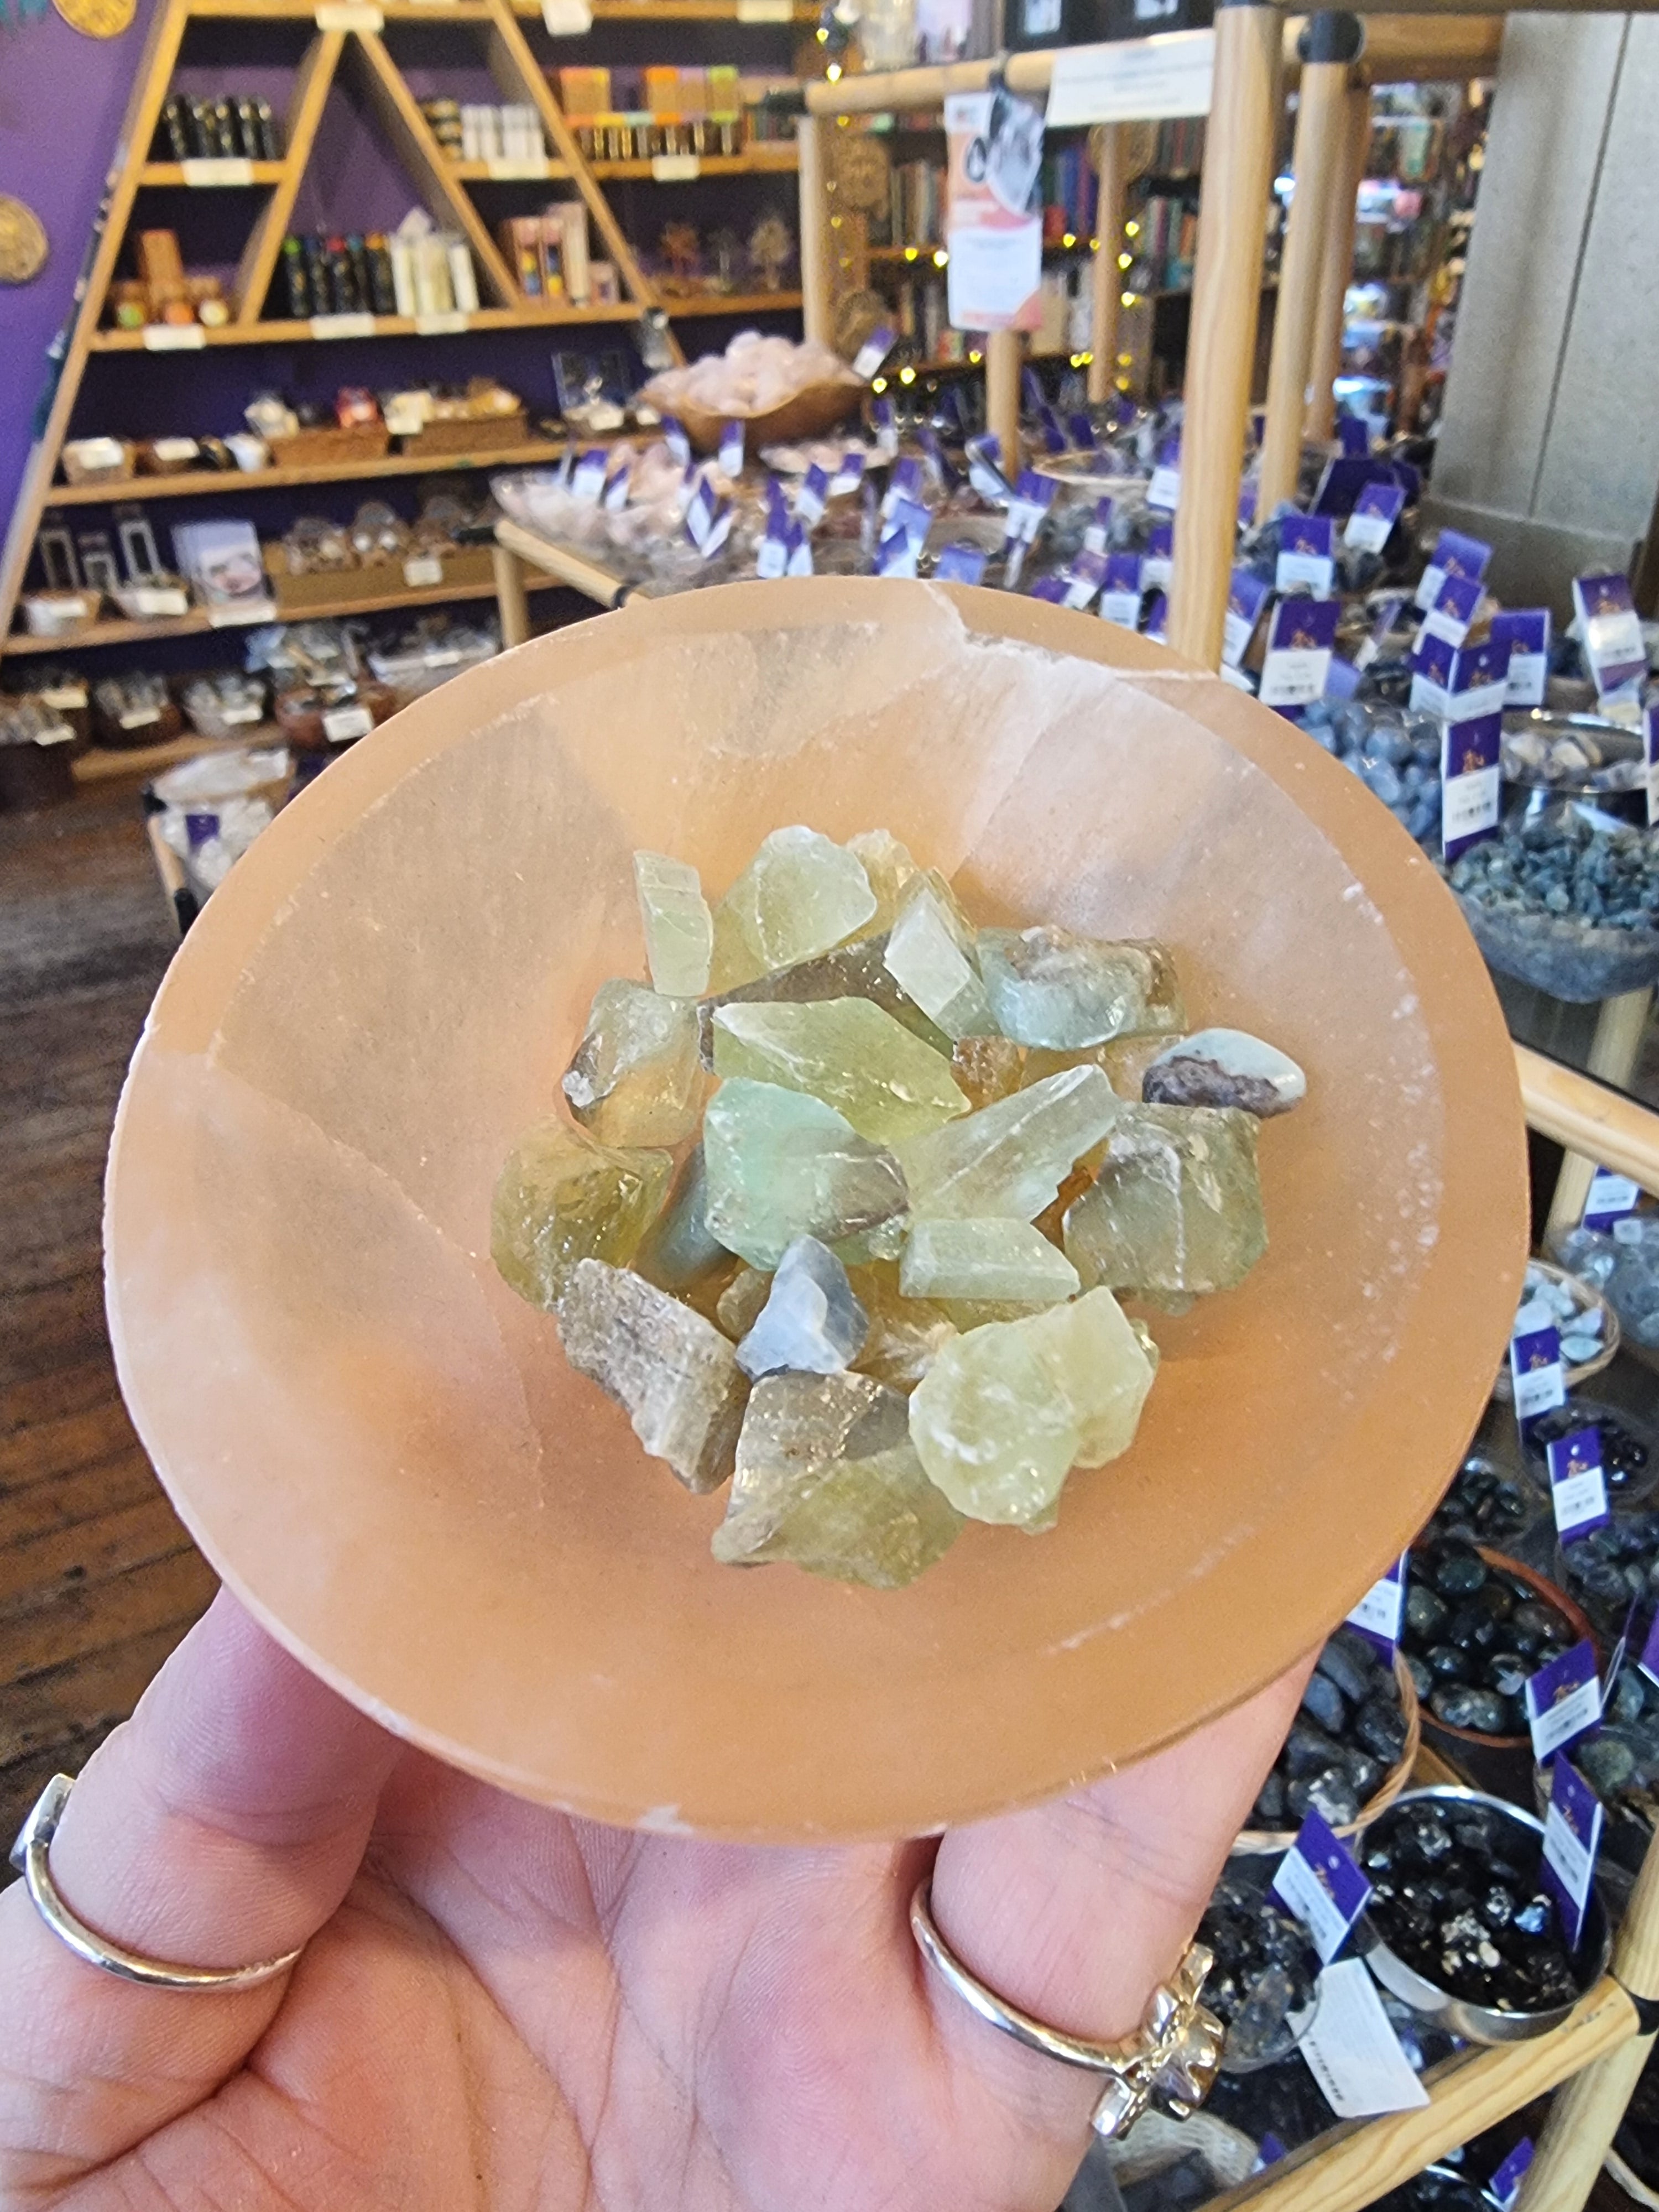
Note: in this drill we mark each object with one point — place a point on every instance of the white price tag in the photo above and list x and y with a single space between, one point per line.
222 170
567 19
139 718
75 695
1235 634
151 602
1352 2051
443 656
342 326
422 570
241 614
504 169
1156 570
1468 804
251 714
1580 1498
1164 489
1123 608
1295 677
57 733
1566 1719
766 11
173 338
341 724
1367 533
1528 673
1311 569
349 15
1133 80
676 168
445 325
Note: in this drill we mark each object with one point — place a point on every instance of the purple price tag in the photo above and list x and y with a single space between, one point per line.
1506 2183
896 555
1268 2151
1306 553
1051 588
1479 677
1431 674
960 564
812 497
871 354
1160 556
1525 631
1563 1702
1247 493
1096 533
1452 615
1648 1661
1246 596
1353 436
1378 1613
731 455
1031 385
1650 761
1455 555
1373 515
1536 1373
1299 640
1579 1488
1612 633
1572 1832
1318 1880
1082 432
1341 679
1054 437
1158 617
1470 783
674 437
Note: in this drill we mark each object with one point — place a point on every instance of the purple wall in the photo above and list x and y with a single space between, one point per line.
61 98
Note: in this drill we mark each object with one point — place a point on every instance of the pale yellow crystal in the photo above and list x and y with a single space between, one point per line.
636 1078
679 930
889 1085
887 866
1010 1158
999 1259
904 1332
1176 1209
930 954
987 1069
782 1165
847 971
799 895
562 1198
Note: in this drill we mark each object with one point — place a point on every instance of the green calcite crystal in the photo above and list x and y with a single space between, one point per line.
1175 1208
739 1305
827 1477
562 1198
672 1372
1010 1158
889 867
733 961
681 1249
904 1332
889 1085
1006 1411
799 895
850 971
999 1259
782 1165
1123 1060
1047 986
636 1078
930 955
987 1069
679 930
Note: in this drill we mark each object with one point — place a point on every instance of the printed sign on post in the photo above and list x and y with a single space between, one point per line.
1572 1834
1299 640
1564 1701
1306 554
1245 600
1470 783
1120 595
995 222
1612 632
1374 514
1455 555
1378 1614
1133 80
1319 1881
1535 1368
1525 631
1579 1488
1611 1198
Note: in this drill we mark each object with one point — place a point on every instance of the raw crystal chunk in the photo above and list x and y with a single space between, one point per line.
636 1078
828 1477
679 930
904 1332
782 1166
738 1306
1005 1411
987 1069
561 1198
1011 1157
799 895
889 866
681 1248
999 1258
733 961
1123 1060
672 1372
928 956
1048 987
1176 1206
811 1322
850 971
1224 1068
849 1054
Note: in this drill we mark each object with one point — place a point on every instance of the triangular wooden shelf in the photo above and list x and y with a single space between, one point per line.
348 46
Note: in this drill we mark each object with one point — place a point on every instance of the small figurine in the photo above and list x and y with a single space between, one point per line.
684 254
771 248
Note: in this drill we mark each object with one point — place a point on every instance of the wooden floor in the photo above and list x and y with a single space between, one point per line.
98 1581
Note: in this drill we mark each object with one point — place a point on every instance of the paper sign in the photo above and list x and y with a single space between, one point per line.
341 724
567 19
1564 1701
765 11
1120 593
1246 597
1572 1834
1470 783
674 437
349 18
1158 565
871 354
896 555
1033 496
422 570
1299 641
1378 1614
811 495
1526 632
1452 614
1579 1488
221 170
1506 2183
1319 1881
1133 80
173 338
1536 1372
1352 2050
1462 684
1306 555
960 564
1084 578
1611 1198
1164 489
994 226
1373 515
342 326
984 459
1157 615
1455 555
849 475
1611 633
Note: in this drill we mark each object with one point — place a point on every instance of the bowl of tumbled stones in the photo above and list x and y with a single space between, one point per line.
1621 1762
1628 1461
1582 1318
1612 1568
1460 1926
1264 1985
1478 1626
1487 1504
1350 1749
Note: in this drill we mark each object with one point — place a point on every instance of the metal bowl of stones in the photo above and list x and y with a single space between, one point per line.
1630 1447
1547 755
386 1454
1264 1985
1460 1926
1565 899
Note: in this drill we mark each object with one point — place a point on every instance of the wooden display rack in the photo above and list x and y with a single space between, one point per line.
349 44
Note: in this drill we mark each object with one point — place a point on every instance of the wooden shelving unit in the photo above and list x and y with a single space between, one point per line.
287 332
199 483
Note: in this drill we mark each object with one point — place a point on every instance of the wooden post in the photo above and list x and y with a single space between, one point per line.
816 309
1587 2111
1332 42
1336 270
1109 228
510 595
1005 356
1239 155
1614 1050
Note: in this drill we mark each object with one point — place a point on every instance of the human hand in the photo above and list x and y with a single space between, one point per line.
500 2006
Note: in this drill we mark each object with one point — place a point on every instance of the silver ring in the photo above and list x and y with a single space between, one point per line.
30 1856
1170 2060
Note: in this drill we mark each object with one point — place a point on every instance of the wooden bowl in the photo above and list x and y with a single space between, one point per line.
1551 1595
808 415
385 1454
1589 1298
1257 1841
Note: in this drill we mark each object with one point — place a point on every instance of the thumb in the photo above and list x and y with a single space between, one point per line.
222 1825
